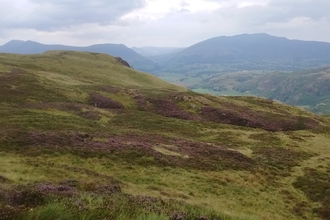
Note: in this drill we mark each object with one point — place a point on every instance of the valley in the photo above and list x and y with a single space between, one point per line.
294 72
308 88
291 71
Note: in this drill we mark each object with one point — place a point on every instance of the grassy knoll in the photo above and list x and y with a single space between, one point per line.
83 137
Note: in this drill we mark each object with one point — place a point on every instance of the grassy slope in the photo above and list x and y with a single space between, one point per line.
84 68
308 88
161 143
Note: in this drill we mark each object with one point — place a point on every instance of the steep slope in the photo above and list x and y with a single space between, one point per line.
309 88
117 50
251 52
84 137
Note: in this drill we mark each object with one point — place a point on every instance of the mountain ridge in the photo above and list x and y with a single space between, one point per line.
254 51
224 53
30 47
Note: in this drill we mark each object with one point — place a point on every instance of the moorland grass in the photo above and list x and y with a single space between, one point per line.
166 167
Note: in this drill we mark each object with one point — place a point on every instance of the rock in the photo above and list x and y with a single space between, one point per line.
122 62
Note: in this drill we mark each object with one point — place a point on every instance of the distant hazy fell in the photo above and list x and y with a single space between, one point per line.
232 53
252 52
291 71
118 50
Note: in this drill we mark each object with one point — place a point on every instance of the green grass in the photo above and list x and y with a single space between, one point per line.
160 166
246 193
243 191
52 211
84 67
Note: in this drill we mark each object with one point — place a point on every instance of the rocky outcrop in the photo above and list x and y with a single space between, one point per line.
122 62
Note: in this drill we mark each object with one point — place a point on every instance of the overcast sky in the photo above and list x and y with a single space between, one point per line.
177 23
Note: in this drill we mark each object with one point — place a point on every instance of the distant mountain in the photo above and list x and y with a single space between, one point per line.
251 52
156 51
159 55
119 50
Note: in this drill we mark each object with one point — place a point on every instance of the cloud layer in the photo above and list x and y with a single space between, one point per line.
160 22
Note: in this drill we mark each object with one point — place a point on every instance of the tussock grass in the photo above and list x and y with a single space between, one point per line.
167 159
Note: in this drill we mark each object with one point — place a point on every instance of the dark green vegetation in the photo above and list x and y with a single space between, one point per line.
84 137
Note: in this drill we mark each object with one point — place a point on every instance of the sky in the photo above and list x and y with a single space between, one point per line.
161 23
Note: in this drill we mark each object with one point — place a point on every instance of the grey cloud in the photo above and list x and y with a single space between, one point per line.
279 11
184 4
97 21
55 14
314 9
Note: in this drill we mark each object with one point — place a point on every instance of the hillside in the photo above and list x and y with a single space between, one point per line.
118 50
85 137
309 88
250 52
